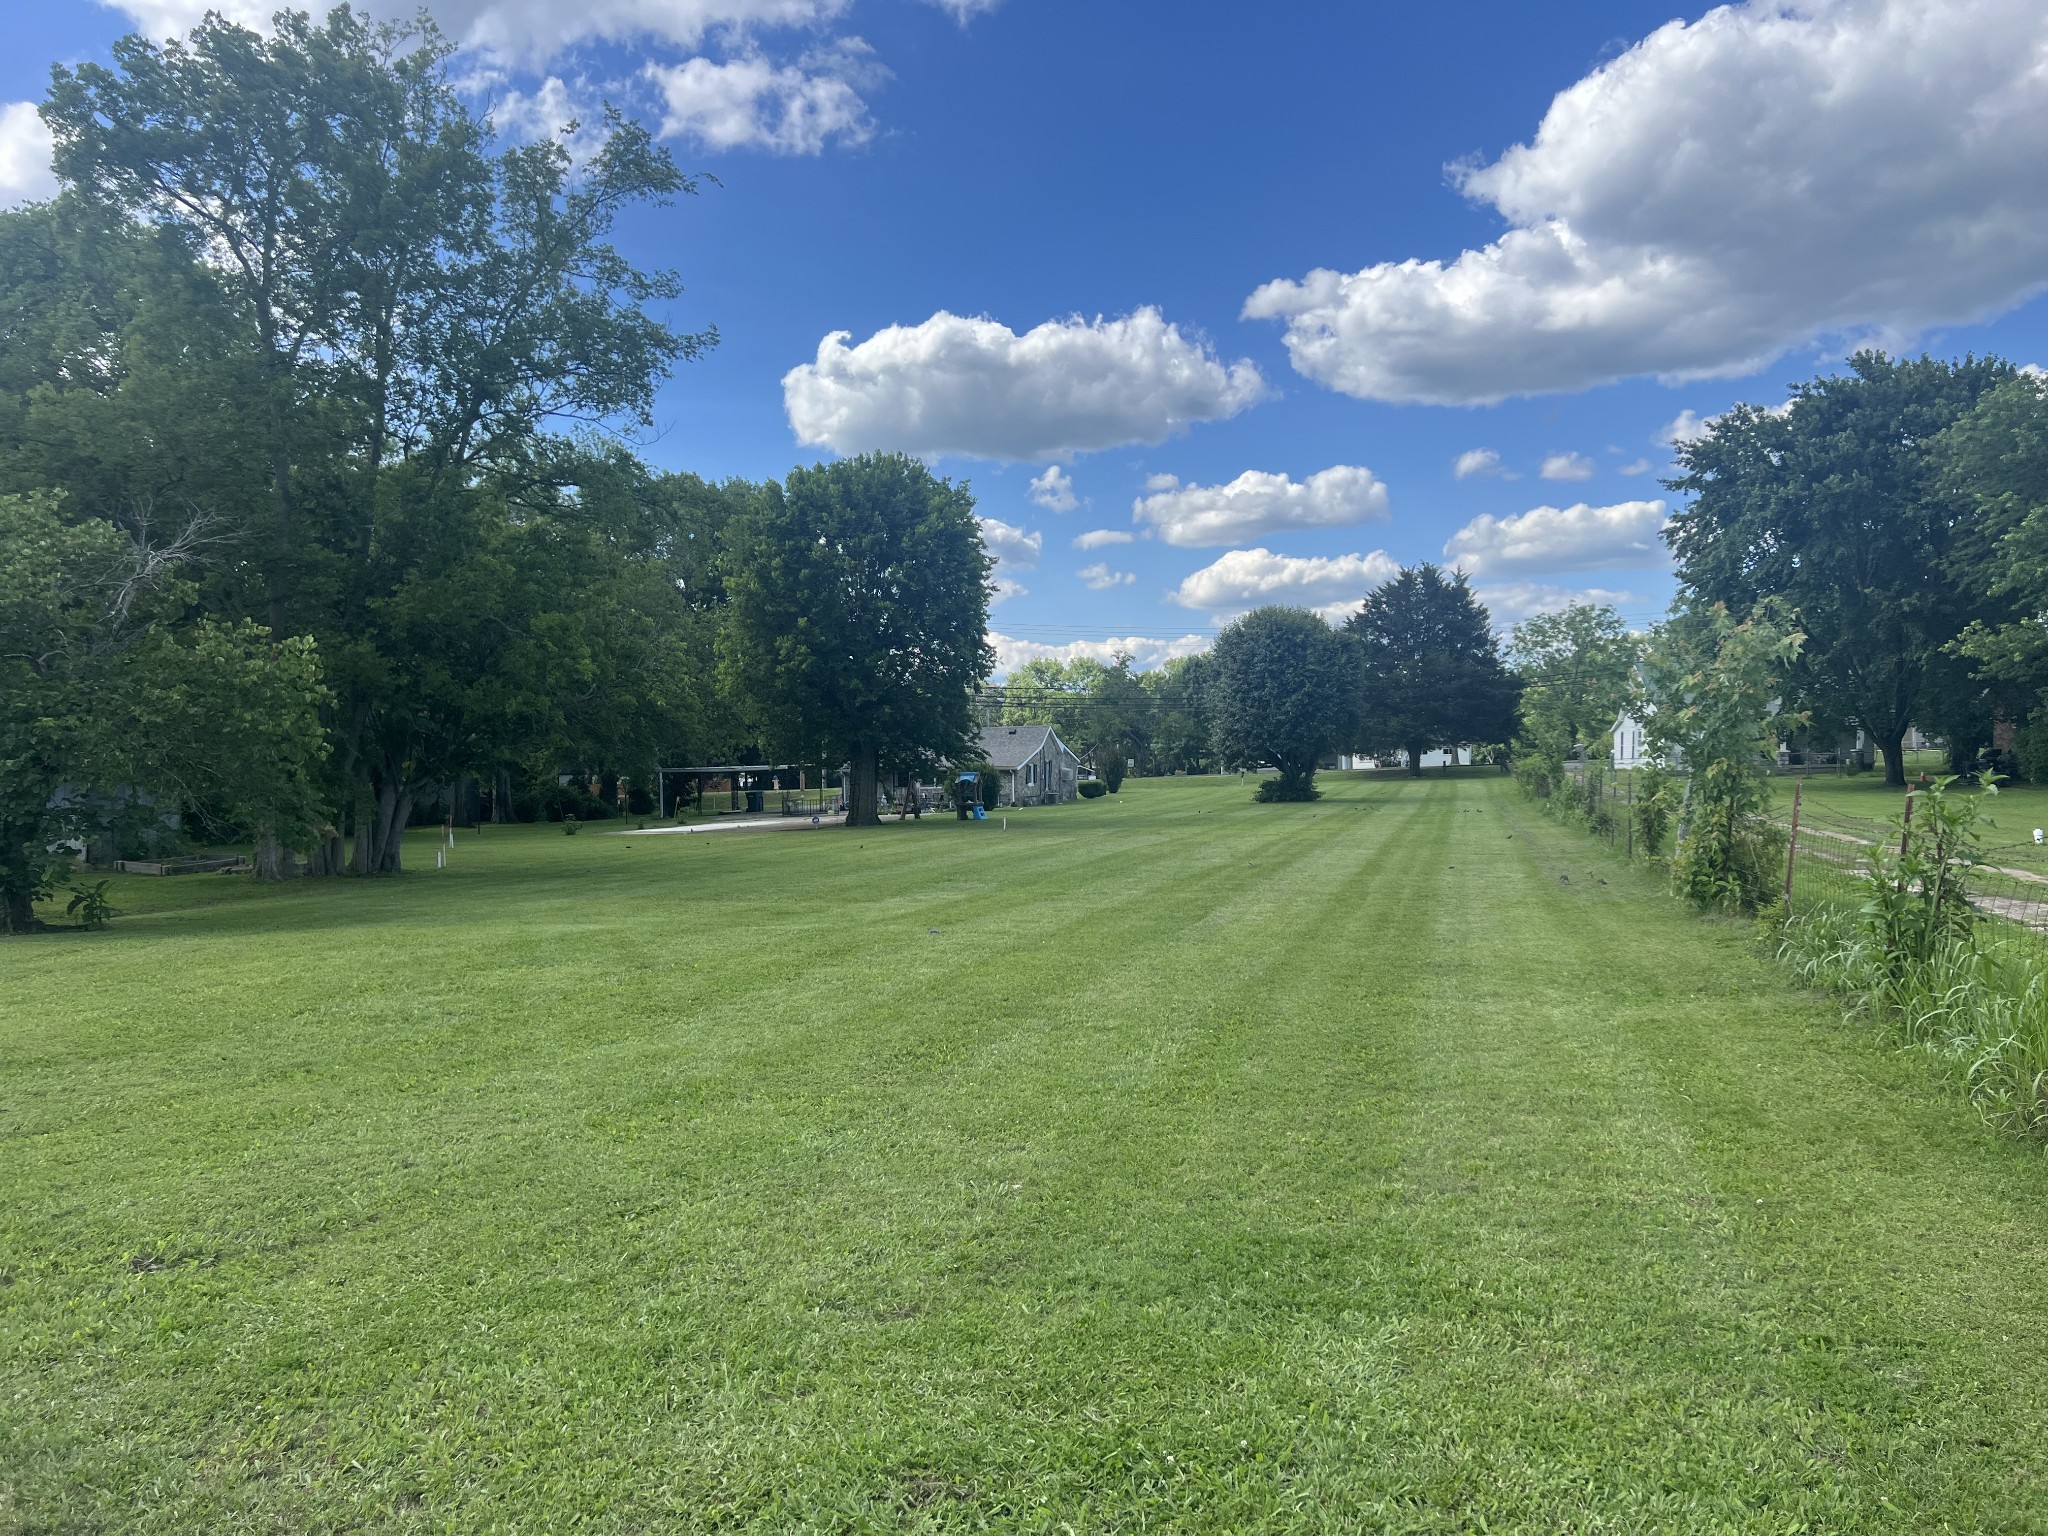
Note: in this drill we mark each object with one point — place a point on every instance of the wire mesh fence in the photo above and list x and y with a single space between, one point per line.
1825 851
1828 856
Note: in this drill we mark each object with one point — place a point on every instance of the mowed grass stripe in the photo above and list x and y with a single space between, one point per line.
1216 1167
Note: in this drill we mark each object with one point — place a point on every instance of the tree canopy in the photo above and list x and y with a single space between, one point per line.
1430 669
1833 504
120 708
857 609
296 310
1280 693
1577 668
1992 465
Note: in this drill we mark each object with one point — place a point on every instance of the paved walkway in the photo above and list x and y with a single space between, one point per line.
759 824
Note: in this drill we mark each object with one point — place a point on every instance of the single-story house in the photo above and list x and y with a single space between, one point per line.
1033 764
1435 757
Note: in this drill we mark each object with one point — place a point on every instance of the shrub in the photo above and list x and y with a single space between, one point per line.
89 904
1093 789
1916 889
565 800
2030 751
992 790
1271 791
1655 798
570 825
1538 776
1731 859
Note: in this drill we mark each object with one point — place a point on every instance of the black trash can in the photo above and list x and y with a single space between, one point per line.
757 800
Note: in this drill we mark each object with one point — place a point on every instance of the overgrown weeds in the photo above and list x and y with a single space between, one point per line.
1914 960
1978 1010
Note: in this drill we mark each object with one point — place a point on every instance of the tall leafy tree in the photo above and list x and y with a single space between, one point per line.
1577 668
1182 731
1718 682
1833 505
1280 693
1430 669
402 316
116 706
856 616
1993 466
1120 732
1060 693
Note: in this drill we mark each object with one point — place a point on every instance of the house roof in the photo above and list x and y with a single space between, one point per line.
1012 746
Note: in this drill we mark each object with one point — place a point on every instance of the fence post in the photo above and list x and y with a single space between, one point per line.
1905 837
1792 847
1630 815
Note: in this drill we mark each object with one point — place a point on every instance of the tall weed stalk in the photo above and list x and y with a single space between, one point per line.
1912 960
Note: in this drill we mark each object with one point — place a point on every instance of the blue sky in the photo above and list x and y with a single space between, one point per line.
1070 248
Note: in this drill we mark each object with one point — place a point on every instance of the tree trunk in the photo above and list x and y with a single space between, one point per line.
501 798
274 861
863 791
17 910
394 808
363 860
1893 745
329 856
1415 751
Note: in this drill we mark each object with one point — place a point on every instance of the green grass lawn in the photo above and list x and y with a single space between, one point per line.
1395 1163
2011 815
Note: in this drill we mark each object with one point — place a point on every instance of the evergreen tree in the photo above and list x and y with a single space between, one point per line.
1431 673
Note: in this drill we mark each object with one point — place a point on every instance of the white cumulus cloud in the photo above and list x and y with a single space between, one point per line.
975 387
1145 651
1251 578
1100 578
548 109
533 31
1257 503
1513 601
1098 538
716 84
1567 466
1480 464
1724 190
25 173
1054 490
1574 538
750 102
1014 549
1635 467
1688 426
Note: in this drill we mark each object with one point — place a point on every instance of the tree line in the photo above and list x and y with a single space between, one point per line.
316 492
1867 557
1895 519
1416 667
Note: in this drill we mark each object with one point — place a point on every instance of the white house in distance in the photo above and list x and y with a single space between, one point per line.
1436 757
1631 747
1034 765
